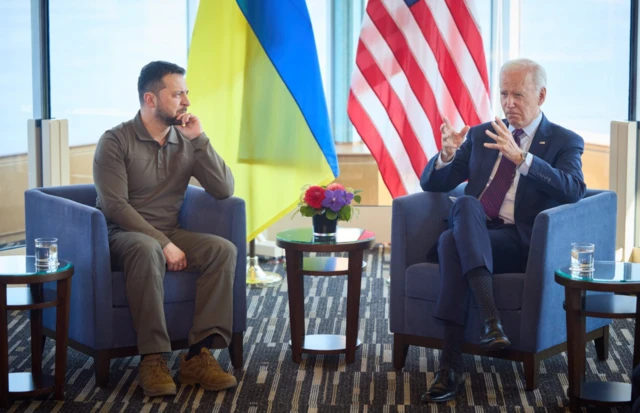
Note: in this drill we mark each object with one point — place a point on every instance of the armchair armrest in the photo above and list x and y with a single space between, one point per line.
416 224
226 218
82 239
592 219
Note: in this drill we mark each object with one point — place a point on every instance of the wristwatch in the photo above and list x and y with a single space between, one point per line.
523 157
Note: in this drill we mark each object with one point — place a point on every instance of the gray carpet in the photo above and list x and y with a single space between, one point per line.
271 382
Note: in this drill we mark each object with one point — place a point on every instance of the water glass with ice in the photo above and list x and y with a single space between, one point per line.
47 252
582 256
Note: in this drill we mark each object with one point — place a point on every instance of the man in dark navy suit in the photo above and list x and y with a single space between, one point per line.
515 169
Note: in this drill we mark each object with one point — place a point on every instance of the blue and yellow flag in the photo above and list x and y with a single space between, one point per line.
254 81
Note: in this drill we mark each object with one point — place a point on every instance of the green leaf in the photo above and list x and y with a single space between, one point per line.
331 215
357 198
345 213
307 211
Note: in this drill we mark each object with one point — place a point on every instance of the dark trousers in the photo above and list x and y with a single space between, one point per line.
471 242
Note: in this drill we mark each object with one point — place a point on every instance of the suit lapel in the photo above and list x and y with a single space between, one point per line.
539 146
489 158
540 141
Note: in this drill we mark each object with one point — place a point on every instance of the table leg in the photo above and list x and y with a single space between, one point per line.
353 303
295 285
636 343
62 335
635 392
576 351
4 349
36 335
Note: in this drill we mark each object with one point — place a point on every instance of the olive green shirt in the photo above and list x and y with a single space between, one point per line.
141 185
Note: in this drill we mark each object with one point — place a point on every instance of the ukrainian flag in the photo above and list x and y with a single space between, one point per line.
254 81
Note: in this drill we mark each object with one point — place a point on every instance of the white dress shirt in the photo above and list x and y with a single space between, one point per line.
507 210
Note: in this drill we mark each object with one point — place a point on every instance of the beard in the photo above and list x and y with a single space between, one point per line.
169 120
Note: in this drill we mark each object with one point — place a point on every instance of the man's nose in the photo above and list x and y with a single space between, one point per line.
185 101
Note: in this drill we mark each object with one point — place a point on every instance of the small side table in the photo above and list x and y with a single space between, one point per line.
608 276
22 270
350 240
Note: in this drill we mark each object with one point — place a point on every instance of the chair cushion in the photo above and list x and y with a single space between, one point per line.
423 282
178 287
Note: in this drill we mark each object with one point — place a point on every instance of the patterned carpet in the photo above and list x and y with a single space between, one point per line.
271 382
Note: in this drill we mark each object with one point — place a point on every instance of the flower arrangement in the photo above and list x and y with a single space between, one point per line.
333 200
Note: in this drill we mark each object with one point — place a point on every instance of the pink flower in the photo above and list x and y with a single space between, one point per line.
314 196
334 186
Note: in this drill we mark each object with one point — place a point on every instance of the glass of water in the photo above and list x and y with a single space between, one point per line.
582 256
47 252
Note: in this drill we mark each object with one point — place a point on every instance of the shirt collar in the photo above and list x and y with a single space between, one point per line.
143 134
530 129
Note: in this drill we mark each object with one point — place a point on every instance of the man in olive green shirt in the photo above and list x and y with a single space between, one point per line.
141 170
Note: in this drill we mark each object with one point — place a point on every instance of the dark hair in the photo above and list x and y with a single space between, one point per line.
151 75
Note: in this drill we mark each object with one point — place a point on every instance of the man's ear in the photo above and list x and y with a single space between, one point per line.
543 96
150 99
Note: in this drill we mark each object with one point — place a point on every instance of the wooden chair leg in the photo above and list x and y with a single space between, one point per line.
400 351
236 350
102 363
602 344
531 367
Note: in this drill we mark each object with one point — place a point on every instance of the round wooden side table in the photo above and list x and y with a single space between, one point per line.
295 242
607 276
22 270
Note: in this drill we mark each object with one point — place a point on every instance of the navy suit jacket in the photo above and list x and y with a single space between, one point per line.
554 178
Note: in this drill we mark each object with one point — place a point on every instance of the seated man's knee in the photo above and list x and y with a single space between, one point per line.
146 249
223 249
467 201
467 205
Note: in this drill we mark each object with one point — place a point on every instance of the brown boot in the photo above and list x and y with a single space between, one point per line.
204 370
154 377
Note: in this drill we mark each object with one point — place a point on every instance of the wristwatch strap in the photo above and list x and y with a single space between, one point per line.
524 158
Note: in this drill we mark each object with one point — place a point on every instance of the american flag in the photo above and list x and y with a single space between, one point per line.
417 61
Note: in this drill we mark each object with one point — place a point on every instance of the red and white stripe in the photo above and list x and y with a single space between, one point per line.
415 65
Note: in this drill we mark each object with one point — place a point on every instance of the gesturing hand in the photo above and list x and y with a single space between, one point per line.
504 141
191 127
176 260
451 140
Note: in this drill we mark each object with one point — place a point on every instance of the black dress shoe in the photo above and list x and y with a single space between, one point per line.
493 337
445 386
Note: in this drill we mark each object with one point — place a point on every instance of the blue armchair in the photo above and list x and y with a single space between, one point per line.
100 320
530 304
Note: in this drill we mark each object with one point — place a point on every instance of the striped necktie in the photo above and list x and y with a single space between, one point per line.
493 196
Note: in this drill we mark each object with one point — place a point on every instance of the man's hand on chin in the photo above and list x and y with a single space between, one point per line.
190 126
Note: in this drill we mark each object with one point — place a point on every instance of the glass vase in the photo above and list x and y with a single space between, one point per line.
323 226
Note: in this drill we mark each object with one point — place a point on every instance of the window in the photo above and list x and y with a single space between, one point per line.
97 51
584 47
15 110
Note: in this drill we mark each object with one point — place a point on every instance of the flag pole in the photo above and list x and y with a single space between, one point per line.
256 276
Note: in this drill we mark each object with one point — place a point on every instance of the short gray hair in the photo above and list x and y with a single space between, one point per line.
539 75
